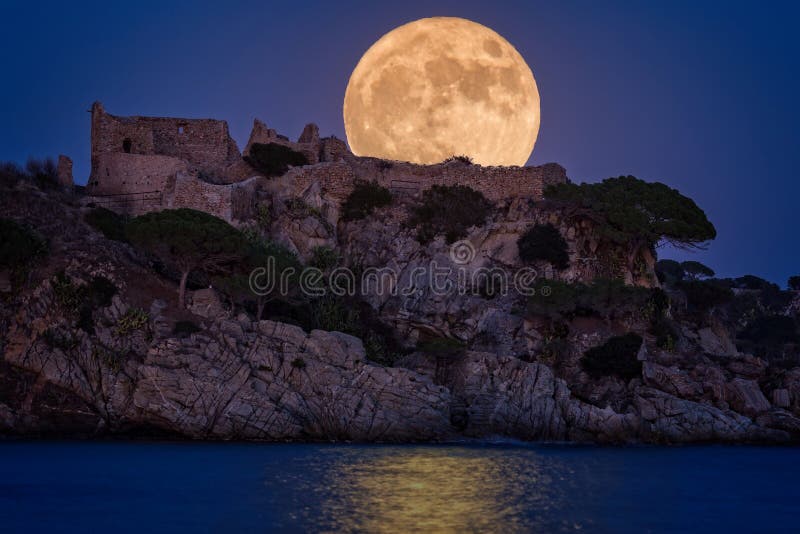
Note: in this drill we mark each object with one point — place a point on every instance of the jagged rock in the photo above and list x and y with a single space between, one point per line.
671 380
206 303
745 396
781 398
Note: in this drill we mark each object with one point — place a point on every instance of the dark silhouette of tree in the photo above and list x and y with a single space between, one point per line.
189 240
636 213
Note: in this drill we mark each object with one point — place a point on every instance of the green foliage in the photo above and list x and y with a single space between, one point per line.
441 346
695 270
794 283
339 315
449 210
702 295
279 263
81 300
272 159
110 224
460 159
11 174
189 240
364 199
299 363
185 328
60 340
637 212
543 242
323 258
69 296
665 332
110 358
20 247
42 172
753 283
772 337
263 216
615 357
134 319
669 272
604 298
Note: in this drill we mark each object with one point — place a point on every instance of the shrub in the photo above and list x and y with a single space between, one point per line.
696 270
460 159
299 363
134 319
669 272
448 210
752 282
108 223
702 295
441 346
323 258
42 172
768 336
19 248
665 332
615 357
604 298
183 328
794 283
364 199
272 159
11 174
544 242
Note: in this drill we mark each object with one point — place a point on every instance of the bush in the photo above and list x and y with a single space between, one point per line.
543 242
272 159
184 328
299 363
794 283
603 298
696 270
768 337
702 295
752 282
19 248
669 272
665 332
323 258
364 199
134 319
615 357
108 223
11 174
449 210
43 172
441 346
460 159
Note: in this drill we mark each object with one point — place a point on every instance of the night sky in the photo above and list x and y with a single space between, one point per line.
701 97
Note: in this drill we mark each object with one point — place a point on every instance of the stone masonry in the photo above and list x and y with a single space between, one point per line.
141 164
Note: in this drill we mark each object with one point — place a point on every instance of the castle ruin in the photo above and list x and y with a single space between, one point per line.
141 164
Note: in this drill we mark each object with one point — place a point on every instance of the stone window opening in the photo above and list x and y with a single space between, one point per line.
180 130
126 145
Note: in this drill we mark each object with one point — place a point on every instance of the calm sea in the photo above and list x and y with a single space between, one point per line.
226 487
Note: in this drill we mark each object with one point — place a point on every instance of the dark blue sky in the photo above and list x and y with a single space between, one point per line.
701 96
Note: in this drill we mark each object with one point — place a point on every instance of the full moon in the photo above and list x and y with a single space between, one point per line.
441 87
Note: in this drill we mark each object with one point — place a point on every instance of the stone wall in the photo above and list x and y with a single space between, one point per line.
496 183
120 173
228 201
204 144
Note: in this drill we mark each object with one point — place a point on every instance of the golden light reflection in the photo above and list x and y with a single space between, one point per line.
430 489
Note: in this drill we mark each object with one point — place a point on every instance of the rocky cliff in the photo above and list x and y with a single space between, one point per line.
94 344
